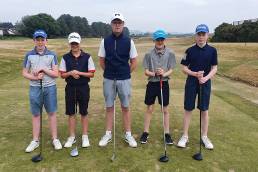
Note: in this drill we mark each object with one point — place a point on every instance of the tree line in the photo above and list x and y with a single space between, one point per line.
62 26
246 32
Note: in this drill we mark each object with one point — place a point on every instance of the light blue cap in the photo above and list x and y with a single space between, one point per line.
159 34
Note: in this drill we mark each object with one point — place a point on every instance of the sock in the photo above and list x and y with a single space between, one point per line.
108 132
128 133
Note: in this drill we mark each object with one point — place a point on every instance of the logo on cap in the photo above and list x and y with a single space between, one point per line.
202 28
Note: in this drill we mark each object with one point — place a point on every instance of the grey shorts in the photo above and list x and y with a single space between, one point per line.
123 89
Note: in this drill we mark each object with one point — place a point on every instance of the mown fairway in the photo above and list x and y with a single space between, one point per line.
233 116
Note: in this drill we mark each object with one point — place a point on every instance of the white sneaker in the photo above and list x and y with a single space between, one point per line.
207 143
85 141
57 144
105 140
70 141
130 140
32 146
183 141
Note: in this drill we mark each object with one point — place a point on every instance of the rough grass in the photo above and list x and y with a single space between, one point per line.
233 120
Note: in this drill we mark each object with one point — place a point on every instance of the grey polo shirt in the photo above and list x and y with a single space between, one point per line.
164 59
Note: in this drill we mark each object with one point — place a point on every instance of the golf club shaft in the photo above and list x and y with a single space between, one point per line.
114 119
200 101
41 109
161 96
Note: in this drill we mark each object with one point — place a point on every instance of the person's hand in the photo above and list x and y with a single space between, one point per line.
200 74
38 71
75 74
159 71
40 75
203 80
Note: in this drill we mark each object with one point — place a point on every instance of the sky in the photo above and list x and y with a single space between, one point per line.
181 16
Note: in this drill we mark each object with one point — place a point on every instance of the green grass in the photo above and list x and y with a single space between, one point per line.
233 123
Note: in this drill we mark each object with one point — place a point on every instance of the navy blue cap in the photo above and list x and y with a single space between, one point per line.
39 33
202 28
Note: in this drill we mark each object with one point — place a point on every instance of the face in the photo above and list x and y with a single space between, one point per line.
117 26
201 38
159 43
40 43
75 47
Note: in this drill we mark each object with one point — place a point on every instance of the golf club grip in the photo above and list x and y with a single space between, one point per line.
161 82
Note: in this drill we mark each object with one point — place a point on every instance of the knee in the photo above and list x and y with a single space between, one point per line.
110 109
149 109
125 109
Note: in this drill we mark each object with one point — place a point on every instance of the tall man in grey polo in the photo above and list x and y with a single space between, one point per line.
114 54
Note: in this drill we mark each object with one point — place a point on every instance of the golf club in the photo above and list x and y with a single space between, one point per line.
114 126
74 152
39 157
163 158
198 156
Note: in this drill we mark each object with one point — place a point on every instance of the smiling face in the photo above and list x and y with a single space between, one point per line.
201 38
40 43
117 26
75 47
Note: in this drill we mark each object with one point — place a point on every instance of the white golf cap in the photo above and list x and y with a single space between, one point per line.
74 37
117 15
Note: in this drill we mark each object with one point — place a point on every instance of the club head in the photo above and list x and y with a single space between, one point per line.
197 156
163 158
74 152
37 158
113 157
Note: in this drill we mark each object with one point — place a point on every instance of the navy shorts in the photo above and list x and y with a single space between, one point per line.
192 88
153 91
80 95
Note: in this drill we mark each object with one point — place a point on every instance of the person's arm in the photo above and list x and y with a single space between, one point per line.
51 72
26 74
187 71
149 73
102 62
133 64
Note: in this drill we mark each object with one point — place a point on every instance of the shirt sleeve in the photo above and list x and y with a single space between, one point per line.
26 62
55 61
102 52
214 61
62 67
133 51
171 61
91 66
185 59
145 62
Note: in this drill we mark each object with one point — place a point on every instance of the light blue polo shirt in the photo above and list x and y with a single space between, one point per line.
33 61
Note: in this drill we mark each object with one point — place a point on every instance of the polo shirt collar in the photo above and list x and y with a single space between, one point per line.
71 54
203 48
44 52
162 51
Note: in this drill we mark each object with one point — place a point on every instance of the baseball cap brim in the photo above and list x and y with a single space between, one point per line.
74 40
202 30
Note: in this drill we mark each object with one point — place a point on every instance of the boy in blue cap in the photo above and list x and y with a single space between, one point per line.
158 64
200 65
41 64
